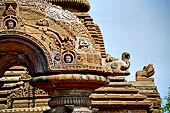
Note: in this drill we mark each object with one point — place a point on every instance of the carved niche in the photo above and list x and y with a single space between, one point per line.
11 20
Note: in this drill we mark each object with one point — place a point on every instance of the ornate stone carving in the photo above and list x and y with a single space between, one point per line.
43 22
68 58
38 4
11 20
144 74
55 43
117 65
55 61
26 91
11 24
68 44
57 14
84 43
74 29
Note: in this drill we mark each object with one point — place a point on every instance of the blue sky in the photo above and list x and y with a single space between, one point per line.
141 27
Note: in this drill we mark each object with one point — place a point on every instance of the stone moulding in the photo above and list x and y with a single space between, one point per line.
73 5
69 90
77 101
69 80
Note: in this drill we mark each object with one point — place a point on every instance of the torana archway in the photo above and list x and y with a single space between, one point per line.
15 51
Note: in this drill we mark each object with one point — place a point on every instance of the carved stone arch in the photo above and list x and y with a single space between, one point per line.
16 51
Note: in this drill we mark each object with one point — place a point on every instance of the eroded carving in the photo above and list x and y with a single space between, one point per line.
11 19
43 22
10 11
38 4
11 24
68 44
118 65
75 29
56 58
144 74
55 42
84 43
59 14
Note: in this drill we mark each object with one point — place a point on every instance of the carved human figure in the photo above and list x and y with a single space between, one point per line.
68 58
10 24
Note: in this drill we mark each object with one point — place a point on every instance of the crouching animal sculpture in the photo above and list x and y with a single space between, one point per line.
143 75
118 65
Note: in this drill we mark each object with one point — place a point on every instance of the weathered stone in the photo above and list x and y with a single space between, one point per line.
64 60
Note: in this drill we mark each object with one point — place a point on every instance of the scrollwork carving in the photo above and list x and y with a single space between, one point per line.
75 29
26 91
55 43
39 4
10 11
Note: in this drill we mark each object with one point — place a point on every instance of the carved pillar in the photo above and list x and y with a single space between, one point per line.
69 92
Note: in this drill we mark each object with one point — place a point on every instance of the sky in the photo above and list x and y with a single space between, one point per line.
140 27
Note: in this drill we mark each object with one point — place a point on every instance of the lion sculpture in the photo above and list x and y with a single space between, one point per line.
144 74
118 65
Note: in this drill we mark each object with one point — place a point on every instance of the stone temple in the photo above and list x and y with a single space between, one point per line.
53 60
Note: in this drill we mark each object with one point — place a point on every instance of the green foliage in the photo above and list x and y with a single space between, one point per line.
166 108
